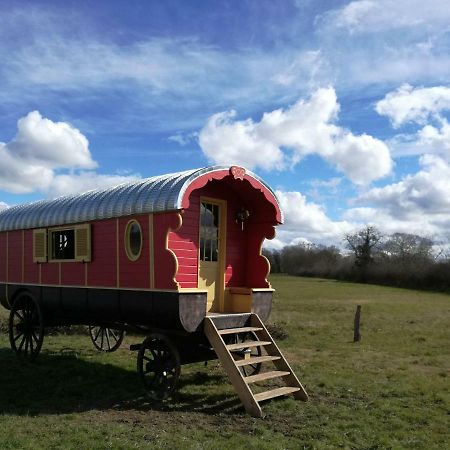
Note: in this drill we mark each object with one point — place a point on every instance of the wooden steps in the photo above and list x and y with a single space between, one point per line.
230 344
275 393
265 376
248 344
238 330
255 360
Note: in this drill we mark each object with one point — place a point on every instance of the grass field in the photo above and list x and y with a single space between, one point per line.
391 390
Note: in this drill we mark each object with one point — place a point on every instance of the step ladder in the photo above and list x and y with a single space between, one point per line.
220 336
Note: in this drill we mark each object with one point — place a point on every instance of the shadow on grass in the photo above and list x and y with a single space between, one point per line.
63 383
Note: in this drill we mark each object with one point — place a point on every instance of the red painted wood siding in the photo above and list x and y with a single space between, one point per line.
50 273
15 256
134 274
3 257
102 270
73 273
31 270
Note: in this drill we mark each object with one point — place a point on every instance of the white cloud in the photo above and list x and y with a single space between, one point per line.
306 222
283 137
39 147
3 206
53 144
426 192
418 204
409 104
422 106
34 158
368 16
183 139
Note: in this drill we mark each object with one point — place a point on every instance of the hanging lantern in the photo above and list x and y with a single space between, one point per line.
242 216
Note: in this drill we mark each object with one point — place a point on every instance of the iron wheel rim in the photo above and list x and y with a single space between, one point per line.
106 339
158 365
25 327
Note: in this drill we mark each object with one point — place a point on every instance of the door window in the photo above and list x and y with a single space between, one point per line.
209 232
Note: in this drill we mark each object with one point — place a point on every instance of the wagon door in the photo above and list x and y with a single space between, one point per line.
212 251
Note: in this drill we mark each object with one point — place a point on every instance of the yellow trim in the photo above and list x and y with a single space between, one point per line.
180 222
222 246
266 278
130 255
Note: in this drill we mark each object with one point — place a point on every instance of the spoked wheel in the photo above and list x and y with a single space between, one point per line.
245 352
158 365
26 326
106 339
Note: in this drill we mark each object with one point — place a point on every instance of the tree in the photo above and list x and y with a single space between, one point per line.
408 248
363 244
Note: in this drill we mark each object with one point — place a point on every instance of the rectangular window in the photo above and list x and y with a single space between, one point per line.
209 232
63 244
70 244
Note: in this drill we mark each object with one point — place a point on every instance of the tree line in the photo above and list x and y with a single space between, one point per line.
399 259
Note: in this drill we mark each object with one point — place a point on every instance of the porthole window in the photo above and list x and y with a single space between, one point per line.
133 240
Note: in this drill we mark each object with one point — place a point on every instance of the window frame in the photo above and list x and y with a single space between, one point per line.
130 255
73 228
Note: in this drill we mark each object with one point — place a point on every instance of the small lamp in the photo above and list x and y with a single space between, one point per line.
242 216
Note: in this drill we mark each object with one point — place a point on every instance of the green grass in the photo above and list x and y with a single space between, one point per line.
391 390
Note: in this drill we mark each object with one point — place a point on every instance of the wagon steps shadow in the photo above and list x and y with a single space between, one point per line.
63 383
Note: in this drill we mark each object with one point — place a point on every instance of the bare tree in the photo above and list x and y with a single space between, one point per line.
409 248
363 244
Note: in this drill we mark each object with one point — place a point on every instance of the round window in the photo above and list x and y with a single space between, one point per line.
133 240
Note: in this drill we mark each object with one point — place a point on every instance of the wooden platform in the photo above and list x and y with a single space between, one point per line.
235 356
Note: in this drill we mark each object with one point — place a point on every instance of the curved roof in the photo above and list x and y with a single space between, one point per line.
156 194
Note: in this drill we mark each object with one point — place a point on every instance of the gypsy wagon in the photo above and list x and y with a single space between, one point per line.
176 258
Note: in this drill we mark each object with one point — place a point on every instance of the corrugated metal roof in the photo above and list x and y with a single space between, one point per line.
156 194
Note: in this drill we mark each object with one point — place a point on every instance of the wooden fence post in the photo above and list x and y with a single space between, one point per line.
356 333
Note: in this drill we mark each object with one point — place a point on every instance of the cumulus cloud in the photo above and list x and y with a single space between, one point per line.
3 206
283 137
53 144
41 149
409 104
425 192
307 217
418 204
306 221
421 106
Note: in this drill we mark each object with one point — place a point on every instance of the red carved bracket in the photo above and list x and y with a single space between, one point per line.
237 172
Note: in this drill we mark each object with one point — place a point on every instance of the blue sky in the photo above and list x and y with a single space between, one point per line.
342 106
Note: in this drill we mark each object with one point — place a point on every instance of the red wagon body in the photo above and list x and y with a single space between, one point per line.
164 285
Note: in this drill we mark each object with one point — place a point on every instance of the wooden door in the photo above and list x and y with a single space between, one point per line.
212 251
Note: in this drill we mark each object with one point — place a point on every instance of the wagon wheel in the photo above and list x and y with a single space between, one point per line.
158 365
26 326
106 339
251 369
